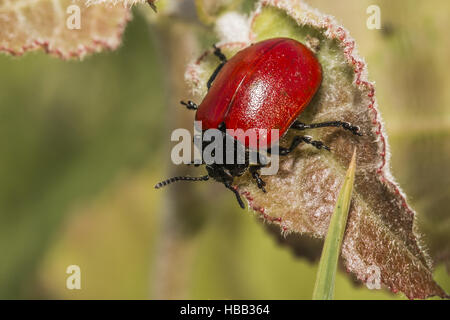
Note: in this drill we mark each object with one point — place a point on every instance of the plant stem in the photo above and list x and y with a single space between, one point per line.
182 214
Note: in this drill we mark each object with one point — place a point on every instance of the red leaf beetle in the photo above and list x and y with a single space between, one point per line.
264 86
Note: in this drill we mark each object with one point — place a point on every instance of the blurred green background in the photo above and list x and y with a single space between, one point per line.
83 143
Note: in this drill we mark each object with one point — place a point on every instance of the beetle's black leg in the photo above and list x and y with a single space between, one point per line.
222 127
218 53
345 125
299 139
214 75
254 170
189 105
315 143
236 193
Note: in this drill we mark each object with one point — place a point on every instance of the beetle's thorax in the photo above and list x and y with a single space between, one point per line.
227 159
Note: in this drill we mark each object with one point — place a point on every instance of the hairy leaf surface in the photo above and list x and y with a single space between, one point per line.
381 233
43 24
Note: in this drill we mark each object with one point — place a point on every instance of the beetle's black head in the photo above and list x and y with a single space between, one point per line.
225 173
233 162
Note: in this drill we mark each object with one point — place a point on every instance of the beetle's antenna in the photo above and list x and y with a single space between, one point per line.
175 179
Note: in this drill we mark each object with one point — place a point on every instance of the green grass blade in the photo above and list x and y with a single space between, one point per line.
324 287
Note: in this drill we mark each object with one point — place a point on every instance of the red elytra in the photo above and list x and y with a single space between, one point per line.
263 87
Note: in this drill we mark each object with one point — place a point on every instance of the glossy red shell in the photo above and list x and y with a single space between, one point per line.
263 87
